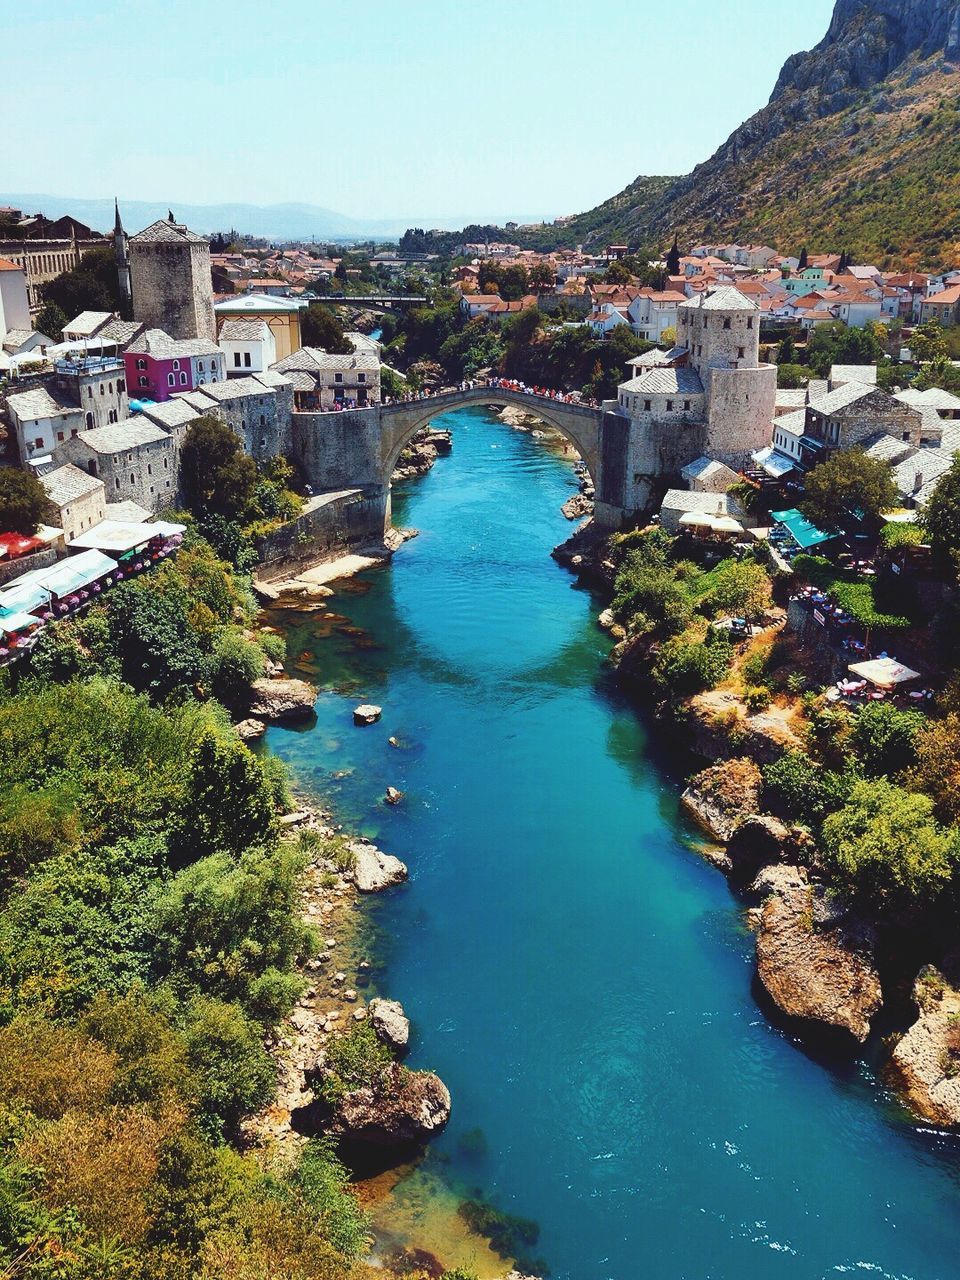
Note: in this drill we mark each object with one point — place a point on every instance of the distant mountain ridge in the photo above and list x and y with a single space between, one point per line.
290 221
857 148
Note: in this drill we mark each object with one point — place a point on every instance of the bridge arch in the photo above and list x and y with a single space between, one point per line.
578 424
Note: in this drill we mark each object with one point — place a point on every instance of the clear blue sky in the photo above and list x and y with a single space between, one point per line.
426 108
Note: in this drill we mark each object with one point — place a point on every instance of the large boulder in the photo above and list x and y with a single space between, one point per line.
760 840
403 1109
815 962
926 1060
721 795
374 870
282 700
390 1023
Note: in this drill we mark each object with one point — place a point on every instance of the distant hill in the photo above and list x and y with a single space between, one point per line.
858 148
268 222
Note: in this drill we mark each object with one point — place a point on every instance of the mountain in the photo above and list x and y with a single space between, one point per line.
269 222
858 148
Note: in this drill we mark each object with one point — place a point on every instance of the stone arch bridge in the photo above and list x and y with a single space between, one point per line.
359 448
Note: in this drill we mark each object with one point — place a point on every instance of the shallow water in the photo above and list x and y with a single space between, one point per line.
578 976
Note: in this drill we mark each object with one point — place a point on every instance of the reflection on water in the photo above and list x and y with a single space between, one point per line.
578 976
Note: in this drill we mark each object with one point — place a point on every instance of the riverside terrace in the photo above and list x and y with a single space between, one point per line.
112 553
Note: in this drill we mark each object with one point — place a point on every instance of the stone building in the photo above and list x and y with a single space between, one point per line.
258 408
14 304
327 381
81 394
135 459
78 497
170 280
854 414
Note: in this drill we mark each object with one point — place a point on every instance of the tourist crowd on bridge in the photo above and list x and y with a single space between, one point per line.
470 384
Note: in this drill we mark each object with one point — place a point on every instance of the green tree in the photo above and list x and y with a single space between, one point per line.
885 738
514 283
23 501
51 321
941 519
218 478
617 273
792 376
835 343
804 260
738 587
928 345
319 327
673 258
154 642
848 482
886 846
231 804
93 285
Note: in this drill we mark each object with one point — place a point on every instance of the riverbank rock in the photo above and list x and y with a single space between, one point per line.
390 1023
712 716
249 730
374 870
760 840
723 794
367 713
421 453
815 963
403 1109
926 1060
283 700
576 507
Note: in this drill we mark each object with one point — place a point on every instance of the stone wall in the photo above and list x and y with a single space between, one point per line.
25 564
740 413
146 474
330 525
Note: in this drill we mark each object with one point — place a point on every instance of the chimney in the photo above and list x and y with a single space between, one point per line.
917 480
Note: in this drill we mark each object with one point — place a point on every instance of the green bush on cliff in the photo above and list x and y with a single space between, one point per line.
884 738
684 667
356 1060
886 846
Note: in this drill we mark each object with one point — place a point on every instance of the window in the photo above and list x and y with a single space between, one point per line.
110 387
149 469
740 353
60 436
183 379
338 377
102 392
176 364
38 443
88 419
236 359
361 377
647 405
116 481
142 381
133 478
246 359
171 380
669 406
686 404
141 364
200 365
749 322
726 323
89 393
121 386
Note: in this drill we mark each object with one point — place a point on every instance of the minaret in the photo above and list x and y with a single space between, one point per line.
122 260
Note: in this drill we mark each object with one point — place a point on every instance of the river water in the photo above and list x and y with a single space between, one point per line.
579 977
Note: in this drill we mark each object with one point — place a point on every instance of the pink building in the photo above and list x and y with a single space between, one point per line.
157 366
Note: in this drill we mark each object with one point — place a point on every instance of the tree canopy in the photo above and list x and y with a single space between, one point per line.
847 485
218 478
23 501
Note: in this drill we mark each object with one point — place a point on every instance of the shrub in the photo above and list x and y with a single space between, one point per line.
273 645
885 737
886 846
800 788
684 667
234 666
757 698
356 1060
235 1074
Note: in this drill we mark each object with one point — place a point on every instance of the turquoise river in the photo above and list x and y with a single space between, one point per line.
576 973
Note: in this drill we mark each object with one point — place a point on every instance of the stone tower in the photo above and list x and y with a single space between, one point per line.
721 332
122 259
170 280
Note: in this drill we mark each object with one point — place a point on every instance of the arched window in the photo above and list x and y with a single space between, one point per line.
142 381
89 421
171 380
749 322
102 392
176 364
141 364
726 323
183 379
121 386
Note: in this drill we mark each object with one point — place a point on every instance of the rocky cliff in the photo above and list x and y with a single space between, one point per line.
857 148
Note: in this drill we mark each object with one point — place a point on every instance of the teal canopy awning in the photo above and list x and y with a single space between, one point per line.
803 533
